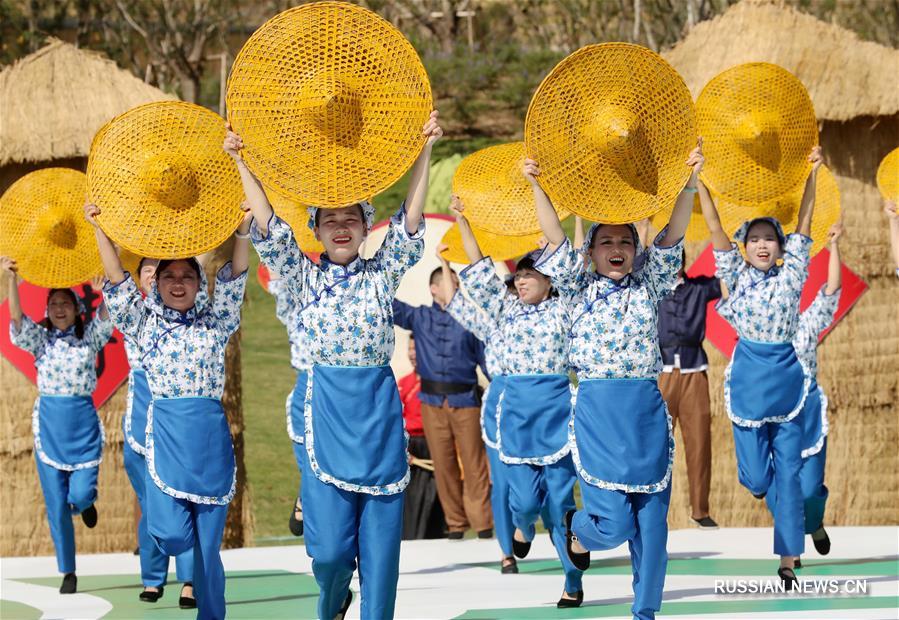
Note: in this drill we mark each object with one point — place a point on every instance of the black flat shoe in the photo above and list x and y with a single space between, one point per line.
137 550
89 516
346 606
706 523
509 566
565 603
455 536
148 596
822 546
187 602
760 495
296 525
486 534
788 577
581 561
520 549
69 584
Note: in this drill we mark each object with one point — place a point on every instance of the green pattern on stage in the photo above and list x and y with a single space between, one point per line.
249 594
10 610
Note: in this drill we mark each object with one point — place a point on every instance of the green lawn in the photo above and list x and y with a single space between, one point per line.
267 379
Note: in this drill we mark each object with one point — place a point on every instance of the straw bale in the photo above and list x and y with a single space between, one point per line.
845 76
53 101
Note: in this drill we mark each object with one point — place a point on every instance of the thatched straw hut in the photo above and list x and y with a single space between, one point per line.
852 84
54 101
51 104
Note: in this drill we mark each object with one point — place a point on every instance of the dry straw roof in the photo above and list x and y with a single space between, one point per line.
54 101
845 76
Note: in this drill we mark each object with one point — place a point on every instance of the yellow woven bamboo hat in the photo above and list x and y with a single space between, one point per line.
786 210
497 197
42 227
888 176
497 247
165 187
758 127
330 100
297 218
611 127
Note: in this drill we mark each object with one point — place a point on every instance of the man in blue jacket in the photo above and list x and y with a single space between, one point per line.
684 383
447 357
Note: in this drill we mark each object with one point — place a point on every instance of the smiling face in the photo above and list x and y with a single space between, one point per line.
146 273
341 231
613 250
532 286
762 246
178 285
61 310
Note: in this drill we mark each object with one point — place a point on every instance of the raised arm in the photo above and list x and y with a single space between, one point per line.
469 242
12 276
578 232
683 206
112 265
834 266
546 214
256 199
418 182
240 255
807 206
447 282
720 240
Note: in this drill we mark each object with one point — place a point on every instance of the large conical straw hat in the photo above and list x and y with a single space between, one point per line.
758 127
297 218
497 247
165 187
611 127
330 101
496 195
42 227
888 176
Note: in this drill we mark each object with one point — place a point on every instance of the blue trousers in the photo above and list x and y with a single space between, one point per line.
814 493
769 458
177 526
66 493
610 518
154 564
535 487
299 453
499 501
341 527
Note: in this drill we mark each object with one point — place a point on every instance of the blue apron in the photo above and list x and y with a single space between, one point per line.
764 383
189 450
488 410
622 436
295 407
68 434
532 419
814 421
355 436
134 423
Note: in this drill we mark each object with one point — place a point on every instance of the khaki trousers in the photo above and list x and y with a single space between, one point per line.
687 396
466 503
